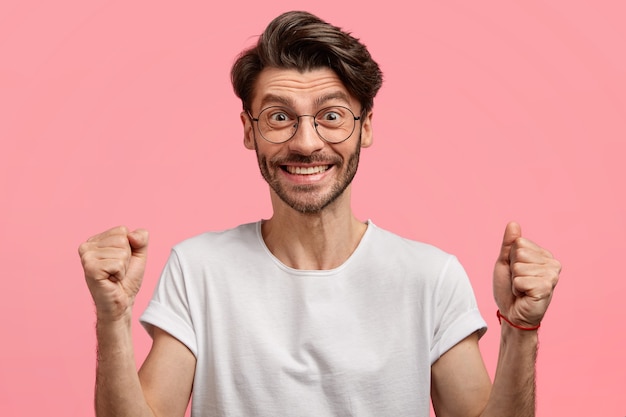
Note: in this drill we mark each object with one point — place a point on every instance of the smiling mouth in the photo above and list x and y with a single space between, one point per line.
296 170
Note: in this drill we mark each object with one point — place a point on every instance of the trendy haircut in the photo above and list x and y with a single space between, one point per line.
299 40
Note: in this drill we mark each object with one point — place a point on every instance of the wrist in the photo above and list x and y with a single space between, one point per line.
526 328
512 339
114 317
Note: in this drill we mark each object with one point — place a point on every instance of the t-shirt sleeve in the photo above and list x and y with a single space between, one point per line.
169 307
455 310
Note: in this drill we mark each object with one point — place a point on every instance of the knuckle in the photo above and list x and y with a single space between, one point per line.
122 230
83 248
119 241
87 258
114 268
555 280
522 253
548 254
119 265
544 286
107 234
524 243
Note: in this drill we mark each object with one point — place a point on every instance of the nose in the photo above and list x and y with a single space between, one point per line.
306 141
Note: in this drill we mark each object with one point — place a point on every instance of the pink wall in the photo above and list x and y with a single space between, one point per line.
122 113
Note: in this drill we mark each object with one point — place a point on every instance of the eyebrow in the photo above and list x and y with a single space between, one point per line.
287 102
337 95
273 98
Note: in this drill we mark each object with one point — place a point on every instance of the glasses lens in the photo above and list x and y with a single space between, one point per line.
335 124
277 124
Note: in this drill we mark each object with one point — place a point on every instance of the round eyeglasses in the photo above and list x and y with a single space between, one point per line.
279 124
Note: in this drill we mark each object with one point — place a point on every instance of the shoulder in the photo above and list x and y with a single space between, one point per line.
392 255
239 238
395 245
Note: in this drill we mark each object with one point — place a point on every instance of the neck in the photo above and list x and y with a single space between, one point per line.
319 241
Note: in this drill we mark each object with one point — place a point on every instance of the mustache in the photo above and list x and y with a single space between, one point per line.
306 159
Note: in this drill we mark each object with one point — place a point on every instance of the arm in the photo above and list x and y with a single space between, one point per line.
118 390
114 263
513 392
460 385
167 374
524 279
161 388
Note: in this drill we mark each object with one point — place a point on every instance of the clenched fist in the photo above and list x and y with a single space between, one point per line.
524 278
114 263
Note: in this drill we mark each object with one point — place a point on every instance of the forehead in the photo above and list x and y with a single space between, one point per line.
279 86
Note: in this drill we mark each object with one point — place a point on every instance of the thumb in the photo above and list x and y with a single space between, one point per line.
512 232
138 240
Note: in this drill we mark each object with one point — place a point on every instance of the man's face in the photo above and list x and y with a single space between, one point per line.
307 173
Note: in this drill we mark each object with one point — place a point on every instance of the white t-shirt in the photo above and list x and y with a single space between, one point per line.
273 341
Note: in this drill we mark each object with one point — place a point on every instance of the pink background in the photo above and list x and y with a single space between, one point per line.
118 112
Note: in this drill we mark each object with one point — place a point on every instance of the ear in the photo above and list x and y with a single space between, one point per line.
248 130
367 135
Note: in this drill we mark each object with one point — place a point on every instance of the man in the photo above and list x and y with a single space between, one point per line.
312 312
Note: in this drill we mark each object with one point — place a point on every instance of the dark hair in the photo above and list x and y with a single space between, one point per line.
299 40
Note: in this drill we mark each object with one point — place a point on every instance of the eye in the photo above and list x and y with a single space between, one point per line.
278 115
333 117
330 115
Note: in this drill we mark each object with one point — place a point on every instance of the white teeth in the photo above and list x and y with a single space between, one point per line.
306 170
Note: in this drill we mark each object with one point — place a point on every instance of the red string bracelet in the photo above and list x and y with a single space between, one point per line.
501 317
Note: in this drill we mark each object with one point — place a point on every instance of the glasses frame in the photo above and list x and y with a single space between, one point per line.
297 124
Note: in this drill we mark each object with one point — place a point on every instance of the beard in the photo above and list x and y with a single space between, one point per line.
306 198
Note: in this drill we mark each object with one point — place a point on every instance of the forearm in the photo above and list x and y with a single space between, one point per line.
513 391
118 390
